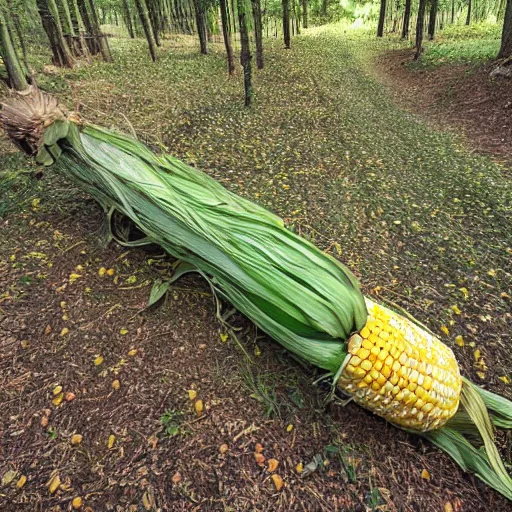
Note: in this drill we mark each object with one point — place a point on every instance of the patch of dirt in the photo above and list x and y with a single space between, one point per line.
459 97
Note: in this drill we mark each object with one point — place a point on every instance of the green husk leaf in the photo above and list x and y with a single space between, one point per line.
56 131
44 157
158 290
473 420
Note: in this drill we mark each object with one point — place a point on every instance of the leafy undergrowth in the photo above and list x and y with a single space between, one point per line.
422 222
460 44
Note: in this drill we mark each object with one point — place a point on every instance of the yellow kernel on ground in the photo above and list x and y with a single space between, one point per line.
365 332
199 407
382 355
366 365
98 361
116 384
363 353
76 503
21 482
111 441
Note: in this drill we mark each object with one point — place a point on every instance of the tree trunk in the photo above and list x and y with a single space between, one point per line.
506 36
67 26
468 18
51 24
153 18
407 20
144 19
226 36
128 19
382 18
99 36
324 7
419 28
245 53
15 73
201 26
432 19
305 13
453 12
286 23
258 32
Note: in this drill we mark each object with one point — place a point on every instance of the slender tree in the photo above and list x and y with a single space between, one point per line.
144 19
226 36
245 52
305 13
201 26
286 23
453 12
506 35
153 6
407 20
468 18
51 24
432 19
258 32
128 19
98 35
419 28
15 74
382 18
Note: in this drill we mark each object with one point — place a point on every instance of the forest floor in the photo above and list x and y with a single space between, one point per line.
422 221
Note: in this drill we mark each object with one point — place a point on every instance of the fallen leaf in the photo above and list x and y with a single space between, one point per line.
259 458
176 478
425 475
63 304
48 330
477 355
456 309
272 465
257 351
278 481
54 484
110 272
21 482
199 407
445 330
132 352
192 394
464 292
448 507
223 448
459 340
76 439
299 467
146 502
64 331
76 503
111 441
258 448
98 361
73 277
289 428
44 421
58 399
504 379
57 390
116 384
224 337
491 272
70 396
8 477
102 271
25 344
123 331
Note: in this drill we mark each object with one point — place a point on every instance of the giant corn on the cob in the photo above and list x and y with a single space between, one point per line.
302 297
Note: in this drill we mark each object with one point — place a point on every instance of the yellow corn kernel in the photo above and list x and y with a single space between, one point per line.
366 365
363 353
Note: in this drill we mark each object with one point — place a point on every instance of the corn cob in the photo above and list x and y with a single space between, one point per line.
401 372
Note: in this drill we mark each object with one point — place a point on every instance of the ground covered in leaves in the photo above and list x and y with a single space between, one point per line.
158 409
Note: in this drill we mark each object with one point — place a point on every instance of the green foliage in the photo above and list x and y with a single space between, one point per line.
172 422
